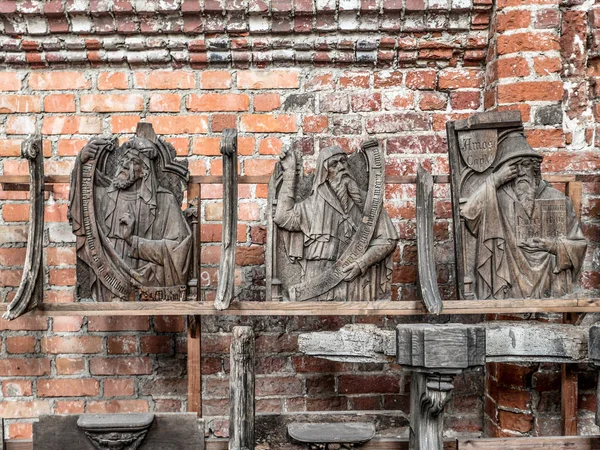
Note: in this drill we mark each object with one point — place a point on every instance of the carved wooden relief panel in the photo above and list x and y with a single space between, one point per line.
515 235
329 237
125 210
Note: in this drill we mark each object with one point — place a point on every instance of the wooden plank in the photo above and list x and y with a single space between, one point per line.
19 445
379 308
568 400
23 180
194 364
526 443
427 284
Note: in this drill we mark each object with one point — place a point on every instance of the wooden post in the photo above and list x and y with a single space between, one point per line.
225 289
194 364
427 285
241 390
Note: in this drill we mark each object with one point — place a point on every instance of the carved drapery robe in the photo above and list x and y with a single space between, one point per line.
505 270
327 227
161 244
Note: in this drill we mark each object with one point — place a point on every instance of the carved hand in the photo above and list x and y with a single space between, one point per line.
127 221
539 244
351 271
507 172
89 151
288 160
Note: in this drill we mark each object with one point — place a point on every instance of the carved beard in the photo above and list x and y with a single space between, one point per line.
525 188
346 188
124 178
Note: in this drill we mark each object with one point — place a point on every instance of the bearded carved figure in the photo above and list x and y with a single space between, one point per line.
521 238
125 210
329 236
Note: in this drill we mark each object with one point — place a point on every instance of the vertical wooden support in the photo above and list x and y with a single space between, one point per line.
569 400
225 289
569 390
427 285
30 291
241 390
194 364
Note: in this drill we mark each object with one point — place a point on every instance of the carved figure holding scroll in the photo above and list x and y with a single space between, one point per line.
529 242
125 212
343 237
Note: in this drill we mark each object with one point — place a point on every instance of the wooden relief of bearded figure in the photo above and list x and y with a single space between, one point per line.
125 210
528 240
339 234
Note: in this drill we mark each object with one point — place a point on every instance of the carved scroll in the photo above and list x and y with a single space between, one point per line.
30 291
241 390
125 210
225 289
428 287
358 246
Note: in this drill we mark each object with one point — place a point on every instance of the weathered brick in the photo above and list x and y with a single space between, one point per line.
59 103
272 79
68 387
112 103
215 79
179 124
165 103
121 366
71 344
530 91
460 78
10 81
113 80
218 102
267 102
527 42
58 81
164 79
19 104
268 123
23 367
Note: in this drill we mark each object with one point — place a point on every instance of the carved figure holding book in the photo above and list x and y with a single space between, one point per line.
528 240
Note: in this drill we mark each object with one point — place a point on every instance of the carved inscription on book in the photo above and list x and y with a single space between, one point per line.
516 236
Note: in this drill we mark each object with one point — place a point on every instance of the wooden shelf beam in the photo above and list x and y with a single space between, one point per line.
380 308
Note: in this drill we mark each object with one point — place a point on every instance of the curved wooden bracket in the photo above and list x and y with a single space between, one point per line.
30 291
428 287
225 288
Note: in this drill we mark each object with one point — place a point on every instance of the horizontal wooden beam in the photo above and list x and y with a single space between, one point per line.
519 443
379 308
12 182
532 443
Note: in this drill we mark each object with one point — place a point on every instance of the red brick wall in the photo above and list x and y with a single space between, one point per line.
389 71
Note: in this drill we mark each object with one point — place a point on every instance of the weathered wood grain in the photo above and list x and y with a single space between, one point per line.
194 364
505 342
427 283
379 308
241 390
30 291
226 286
528 443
